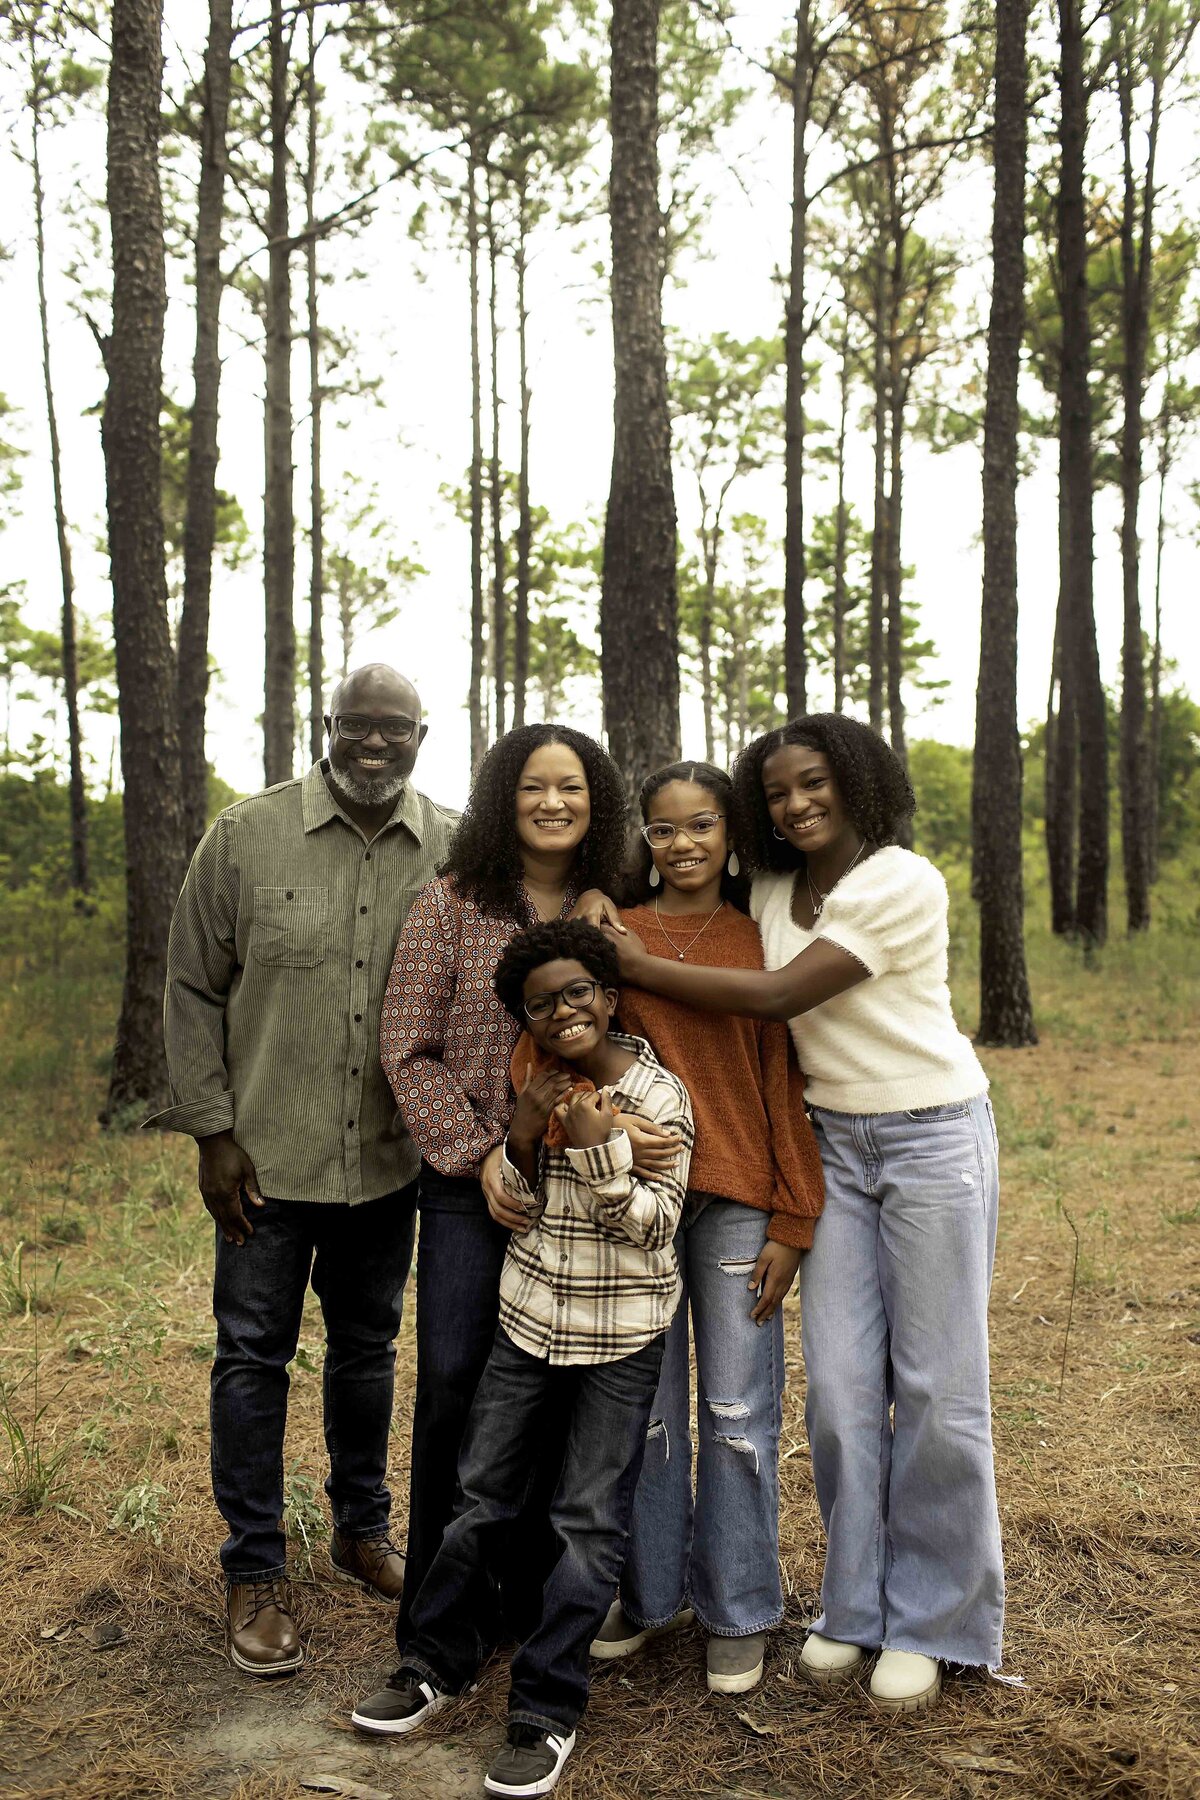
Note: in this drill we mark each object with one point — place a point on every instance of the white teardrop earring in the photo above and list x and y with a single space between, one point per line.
733 866
655 877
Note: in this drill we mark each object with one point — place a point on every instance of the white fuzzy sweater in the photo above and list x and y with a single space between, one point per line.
889 1044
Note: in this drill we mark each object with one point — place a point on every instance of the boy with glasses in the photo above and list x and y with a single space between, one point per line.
587 1293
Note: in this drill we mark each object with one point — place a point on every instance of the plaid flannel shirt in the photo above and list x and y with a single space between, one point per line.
594 1276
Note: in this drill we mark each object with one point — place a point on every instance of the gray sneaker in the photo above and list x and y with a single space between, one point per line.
531 1761
735 1664
403 1703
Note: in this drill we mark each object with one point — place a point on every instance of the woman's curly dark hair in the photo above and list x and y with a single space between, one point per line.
484 858
569 940
635 888
871 780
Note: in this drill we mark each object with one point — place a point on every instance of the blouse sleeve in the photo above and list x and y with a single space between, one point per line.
893 917
412 1036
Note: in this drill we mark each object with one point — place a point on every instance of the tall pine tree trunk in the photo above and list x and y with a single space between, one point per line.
841 527
316 502
638 625
794 651
524 514
1075 423
876 640
1135 311
1005 1008
1155 776
133 476
279 550
1062 750
894 570
476 708
80 876
200 516
495 480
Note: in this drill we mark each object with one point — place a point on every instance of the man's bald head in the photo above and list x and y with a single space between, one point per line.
378 688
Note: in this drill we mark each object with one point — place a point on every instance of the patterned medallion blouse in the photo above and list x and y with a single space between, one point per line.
445 1041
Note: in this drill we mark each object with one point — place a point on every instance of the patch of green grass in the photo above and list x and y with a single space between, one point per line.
142 1508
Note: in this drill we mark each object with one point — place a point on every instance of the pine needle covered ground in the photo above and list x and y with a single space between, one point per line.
112 1681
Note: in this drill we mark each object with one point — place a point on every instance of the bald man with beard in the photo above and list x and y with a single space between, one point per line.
280 949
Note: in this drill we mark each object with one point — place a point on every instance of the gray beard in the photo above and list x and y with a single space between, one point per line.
380 790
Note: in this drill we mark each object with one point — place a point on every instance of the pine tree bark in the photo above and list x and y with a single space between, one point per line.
499 644
200 514
1155 775
133 476
841 528
80 874
1136 251
316 498
638 622
1075 424
279 550
795 660
1005 1007
475 699
1062 756
894 572
524 513
876 620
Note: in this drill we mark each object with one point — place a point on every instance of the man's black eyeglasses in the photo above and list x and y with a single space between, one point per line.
356 726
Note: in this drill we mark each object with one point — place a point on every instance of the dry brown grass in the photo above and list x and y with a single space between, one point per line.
1099 1489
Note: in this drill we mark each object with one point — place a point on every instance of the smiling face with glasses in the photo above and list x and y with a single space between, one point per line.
375 731
688 841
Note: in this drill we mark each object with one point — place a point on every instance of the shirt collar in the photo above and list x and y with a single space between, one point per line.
641 1075
319 806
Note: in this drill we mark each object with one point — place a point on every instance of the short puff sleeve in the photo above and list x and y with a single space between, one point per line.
892 916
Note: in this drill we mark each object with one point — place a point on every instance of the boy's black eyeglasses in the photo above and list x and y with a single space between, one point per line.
660 835
576 993
356 726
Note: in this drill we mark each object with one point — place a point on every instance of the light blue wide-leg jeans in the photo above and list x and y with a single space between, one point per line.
720 1553
894 1298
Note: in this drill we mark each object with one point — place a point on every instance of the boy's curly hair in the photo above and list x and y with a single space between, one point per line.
557 940
871 780
484 858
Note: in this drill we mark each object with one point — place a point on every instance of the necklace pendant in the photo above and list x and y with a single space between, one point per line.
680 957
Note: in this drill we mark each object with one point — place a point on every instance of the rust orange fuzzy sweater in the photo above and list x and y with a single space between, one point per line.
753 1139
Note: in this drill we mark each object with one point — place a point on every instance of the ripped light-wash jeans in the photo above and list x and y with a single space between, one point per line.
718 1552
893 1299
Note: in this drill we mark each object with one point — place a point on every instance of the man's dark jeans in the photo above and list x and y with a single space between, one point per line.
358 1258
606 1408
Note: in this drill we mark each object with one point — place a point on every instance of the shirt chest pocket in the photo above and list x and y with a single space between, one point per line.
291 927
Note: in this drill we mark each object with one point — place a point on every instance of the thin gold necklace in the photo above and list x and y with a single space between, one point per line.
817 896
680 954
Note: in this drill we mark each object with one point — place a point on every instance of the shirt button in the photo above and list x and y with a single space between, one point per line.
350 1125
289 895
354 1071
362 909
358 964
565 1257
358 1018
367 856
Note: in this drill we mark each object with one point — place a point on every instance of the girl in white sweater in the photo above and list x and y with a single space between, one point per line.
894 1290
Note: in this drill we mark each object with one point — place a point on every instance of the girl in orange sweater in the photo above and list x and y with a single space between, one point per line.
754 1194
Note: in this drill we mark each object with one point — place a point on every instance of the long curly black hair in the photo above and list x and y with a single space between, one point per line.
484 858
870 777
635 888
558 940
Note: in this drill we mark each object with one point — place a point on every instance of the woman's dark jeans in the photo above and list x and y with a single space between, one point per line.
604 1409
460 1252
358 1258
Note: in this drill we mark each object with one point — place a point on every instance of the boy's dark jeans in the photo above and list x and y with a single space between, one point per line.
358 1258
606 1408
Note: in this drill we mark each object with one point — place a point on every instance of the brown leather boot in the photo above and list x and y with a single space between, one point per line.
261 1634
375 1563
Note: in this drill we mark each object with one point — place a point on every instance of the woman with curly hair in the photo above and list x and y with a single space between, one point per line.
894 1290
545 817
754 1192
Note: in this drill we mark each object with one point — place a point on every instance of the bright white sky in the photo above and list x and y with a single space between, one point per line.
408 310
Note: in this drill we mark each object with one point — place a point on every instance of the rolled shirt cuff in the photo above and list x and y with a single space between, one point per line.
198 1118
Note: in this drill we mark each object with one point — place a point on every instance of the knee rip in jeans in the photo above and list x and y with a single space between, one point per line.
738 1265
728 1410
656 1432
